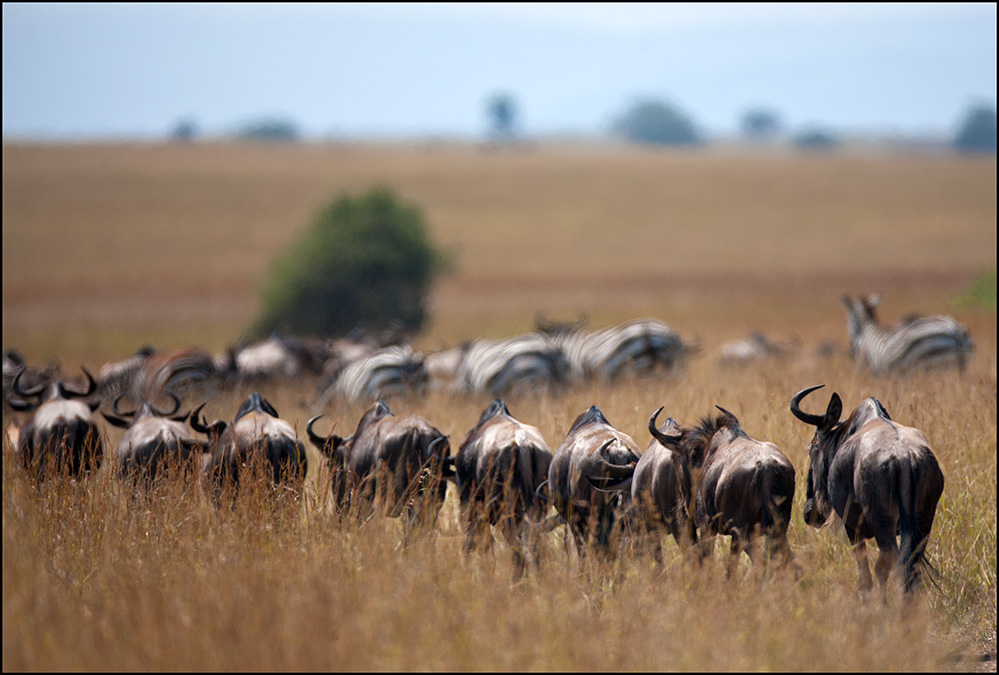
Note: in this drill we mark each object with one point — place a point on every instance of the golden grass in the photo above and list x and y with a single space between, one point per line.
99 576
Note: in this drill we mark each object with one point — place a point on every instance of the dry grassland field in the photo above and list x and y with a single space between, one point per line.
110 247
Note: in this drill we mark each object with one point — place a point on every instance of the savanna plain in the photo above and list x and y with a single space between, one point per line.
110 247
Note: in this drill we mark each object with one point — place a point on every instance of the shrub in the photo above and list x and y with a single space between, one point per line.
656 122
977 131
366 262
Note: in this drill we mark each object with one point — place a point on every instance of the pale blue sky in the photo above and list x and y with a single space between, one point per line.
393 70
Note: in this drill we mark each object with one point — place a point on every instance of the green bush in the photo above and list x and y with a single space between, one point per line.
977 131
365 263
982 292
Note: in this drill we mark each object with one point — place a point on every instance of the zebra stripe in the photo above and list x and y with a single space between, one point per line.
920 342
637 346
498 367
383 373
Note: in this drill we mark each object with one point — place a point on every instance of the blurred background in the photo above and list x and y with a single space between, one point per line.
613 160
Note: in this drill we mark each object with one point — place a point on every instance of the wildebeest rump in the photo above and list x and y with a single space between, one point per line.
499 467
741 486
62 435
881 479
154 439
257 436
593 459
396 460
661 491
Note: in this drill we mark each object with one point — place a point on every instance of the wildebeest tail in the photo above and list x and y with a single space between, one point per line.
775 490
912 545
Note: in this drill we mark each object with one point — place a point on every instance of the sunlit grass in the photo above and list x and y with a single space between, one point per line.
110 248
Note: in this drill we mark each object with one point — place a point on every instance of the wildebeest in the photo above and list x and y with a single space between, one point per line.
661 497
881 479
742 487
502 367
61 435
498 469
593 460
397 462
155 439
915 342
257 439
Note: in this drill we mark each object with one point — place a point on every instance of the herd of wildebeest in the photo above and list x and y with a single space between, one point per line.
694 482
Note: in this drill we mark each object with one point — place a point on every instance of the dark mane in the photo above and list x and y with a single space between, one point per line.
590 416
696 440
497 407
255 402
377 411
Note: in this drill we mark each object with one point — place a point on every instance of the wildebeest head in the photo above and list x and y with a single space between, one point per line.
62 429
53 390
820 451
153 436
880 477
257 433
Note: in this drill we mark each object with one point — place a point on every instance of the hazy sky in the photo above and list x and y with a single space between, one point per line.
387 70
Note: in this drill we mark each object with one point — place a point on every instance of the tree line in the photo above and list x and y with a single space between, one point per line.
649 121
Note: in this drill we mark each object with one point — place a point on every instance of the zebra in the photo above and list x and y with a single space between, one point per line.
500 367
637 346
915 342
385 372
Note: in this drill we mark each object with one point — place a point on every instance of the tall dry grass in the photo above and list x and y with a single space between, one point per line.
107 248
100 575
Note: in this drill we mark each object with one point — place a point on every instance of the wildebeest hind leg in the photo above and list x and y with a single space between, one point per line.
859 546
887 558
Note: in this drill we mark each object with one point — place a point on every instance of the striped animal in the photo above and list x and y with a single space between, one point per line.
503 367
386 372
637 346
913 343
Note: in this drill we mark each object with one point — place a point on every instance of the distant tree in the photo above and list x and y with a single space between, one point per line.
502 112
655 122
366 261
185 130
269 129
815 138
760 124
977 131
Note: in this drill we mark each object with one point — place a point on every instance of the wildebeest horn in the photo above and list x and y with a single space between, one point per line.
732 418
121 413
319 441
615 470
34 391
176 404
668 441
117 421
807 418
543 497
430 448
609 487
72 393
216 427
